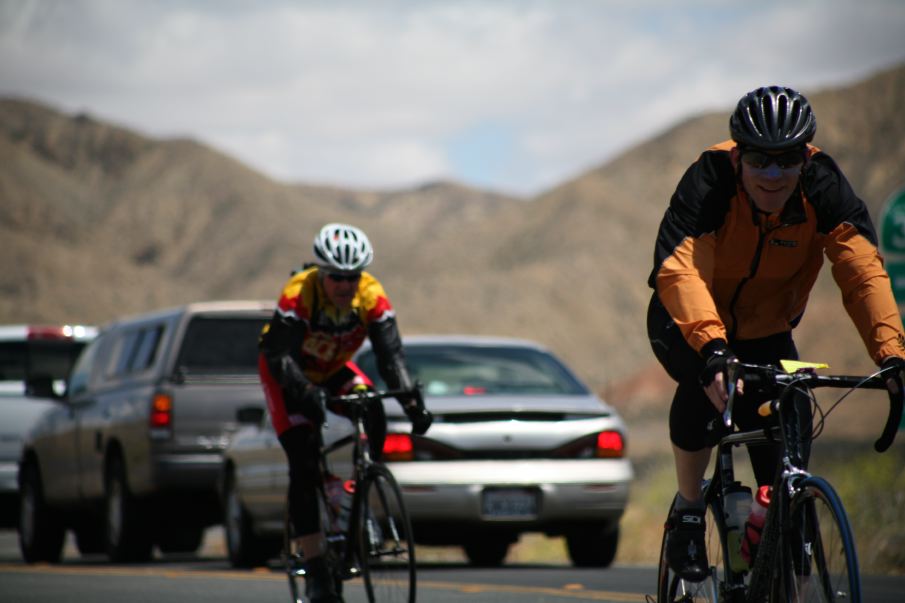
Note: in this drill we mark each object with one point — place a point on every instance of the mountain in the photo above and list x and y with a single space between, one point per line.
98 221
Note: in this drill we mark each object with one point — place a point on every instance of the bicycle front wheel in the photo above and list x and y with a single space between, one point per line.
673 589
385 544
819 551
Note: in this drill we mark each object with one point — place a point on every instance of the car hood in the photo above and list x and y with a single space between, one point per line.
504 405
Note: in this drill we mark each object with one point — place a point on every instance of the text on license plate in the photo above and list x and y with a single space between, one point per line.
509 502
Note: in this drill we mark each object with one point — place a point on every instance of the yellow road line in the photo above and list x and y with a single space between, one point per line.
573 591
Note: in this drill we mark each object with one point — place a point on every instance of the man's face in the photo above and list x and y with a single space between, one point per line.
341 287
769 178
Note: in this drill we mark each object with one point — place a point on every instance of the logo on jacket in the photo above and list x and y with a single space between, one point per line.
783 243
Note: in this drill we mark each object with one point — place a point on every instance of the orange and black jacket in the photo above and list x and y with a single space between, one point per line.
725 270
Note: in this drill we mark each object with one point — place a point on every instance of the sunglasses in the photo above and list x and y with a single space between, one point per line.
338 277
785 161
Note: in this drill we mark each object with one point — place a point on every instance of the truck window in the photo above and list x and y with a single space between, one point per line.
137 350
218 345
22 360
84 366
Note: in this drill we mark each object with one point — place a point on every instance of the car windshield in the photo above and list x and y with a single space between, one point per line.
216 345
23 360
456 370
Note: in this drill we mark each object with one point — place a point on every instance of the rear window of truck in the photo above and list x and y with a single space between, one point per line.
221 345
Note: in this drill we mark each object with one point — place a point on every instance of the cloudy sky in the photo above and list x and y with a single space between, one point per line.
514 96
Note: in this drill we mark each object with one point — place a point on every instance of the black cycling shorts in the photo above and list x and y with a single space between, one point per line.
694 423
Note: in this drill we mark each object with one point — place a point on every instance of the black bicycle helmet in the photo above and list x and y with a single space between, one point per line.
773 118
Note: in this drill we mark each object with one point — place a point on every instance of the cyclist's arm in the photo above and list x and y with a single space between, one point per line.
851 246
686 244
387 344
280 342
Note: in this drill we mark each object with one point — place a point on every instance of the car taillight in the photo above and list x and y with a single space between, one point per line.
398 447
610 445
41 332
162 411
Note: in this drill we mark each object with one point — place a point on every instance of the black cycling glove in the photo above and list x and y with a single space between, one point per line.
417 413
300 395
717 356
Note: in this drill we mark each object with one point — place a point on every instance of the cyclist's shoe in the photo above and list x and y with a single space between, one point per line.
686 551
320 586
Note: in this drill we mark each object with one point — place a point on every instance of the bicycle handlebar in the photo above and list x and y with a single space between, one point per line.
774 379
371 395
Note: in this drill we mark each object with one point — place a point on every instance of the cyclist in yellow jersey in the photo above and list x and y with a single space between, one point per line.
323 316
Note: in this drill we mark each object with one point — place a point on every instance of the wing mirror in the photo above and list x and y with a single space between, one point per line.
250 415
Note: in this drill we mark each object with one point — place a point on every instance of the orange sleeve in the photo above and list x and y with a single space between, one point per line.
684 286
866 292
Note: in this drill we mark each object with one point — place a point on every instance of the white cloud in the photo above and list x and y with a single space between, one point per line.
388 93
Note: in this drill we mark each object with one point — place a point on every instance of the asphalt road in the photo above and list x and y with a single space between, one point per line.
208 577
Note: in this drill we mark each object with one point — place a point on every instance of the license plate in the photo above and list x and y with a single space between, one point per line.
509 503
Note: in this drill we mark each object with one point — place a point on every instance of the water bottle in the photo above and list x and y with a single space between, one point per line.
755 524
736 508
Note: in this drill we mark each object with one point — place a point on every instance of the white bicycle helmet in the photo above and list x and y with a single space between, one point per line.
343 247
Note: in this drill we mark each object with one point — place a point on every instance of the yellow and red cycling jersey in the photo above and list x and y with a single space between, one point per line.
329 336
725 270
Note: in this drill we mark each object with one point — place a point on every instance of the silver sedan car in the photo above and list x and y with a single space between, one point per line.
518 445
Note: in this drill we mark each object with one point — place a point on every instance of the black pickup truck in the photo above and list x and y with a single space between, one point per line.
130 458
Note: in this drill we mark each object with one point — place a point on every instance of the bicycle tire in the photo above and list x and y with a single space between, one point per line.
673 589
384 539
819 543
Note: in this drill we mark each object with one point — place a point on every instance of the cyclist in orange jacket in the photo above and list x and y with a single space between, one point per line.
323 315
737 253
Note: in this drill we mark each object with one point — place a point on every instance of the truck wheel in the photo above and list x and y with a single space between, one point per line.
127 534
41 533
180 538
89 534
245 548
488 551
593 546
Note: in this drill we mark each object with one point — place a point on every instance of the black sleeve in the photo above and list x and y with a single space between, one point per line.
833 198
699 205
387 344
282 339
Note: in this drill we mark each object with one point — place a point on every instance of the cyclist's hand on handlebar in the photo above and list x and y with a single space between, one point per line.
717 357
894 373
312 403
421 419
415 410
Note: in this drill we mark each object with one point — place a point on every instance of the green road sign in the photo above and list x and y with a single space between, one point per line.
892 226
896 272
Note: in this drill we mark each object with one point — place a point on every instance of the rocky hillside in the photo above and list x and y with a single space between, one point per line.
98 221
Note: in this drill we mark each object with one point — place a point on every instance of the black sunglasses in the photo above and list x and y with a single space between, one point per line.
784 161
338 277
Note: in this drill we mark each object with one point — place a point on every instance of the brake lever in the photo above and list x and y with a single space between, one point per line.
733 371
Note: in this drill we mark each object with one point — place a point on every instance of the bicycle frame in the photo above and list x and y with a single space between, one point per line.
361 459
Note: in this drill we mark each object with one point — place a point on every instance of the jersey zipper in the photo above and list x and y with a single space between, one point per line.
755 263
